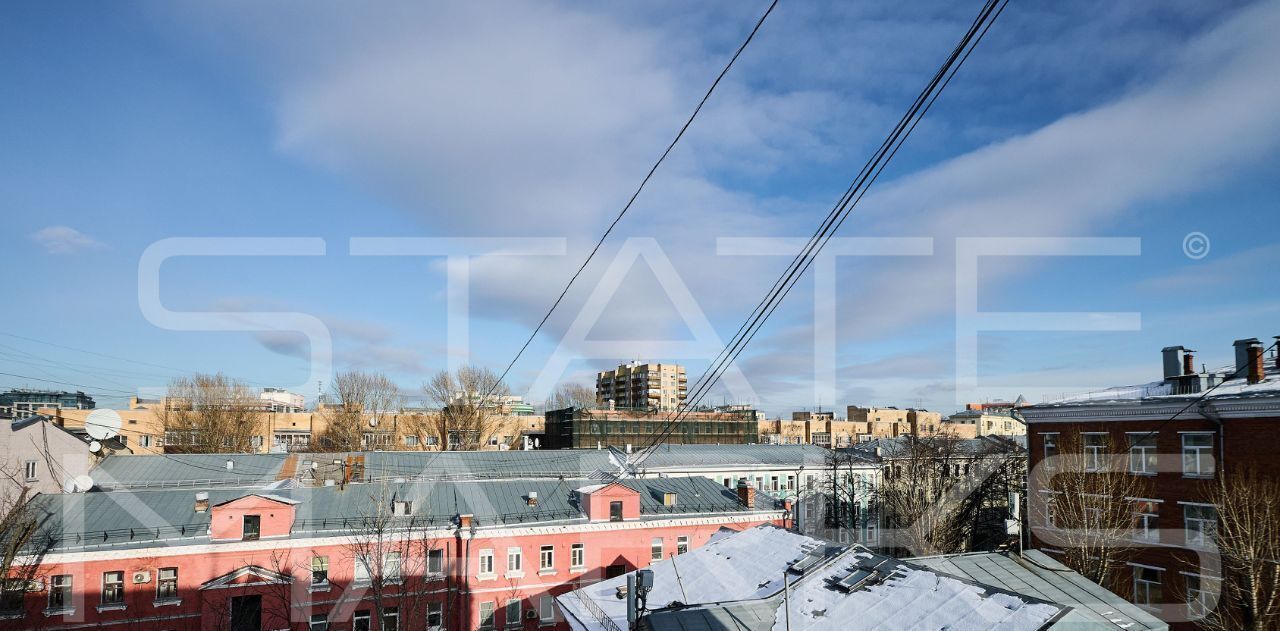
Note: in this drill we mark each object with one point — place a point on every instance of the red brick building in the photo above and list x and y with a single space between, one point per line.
405 555
1181 439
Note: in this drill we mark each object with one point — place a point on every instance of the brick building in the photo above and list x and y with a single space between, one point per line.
574 428
478 554
1180 444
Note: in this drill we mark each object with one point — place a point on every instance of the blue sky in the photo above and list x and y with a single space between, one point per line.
128 124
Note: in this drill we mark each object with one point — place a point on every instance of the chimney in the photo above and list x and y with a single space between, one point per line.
532 498
1242 355
1257 371
202 502
746 493
1277 352
1174 361
1188 362
464 521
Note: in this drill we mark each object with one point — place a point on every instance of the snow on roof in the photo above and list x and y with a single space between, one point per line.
739 577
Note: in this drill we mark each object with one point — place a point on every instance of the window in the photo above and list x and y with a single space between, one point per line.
112 588
145 440
486 615
1146 586
362 573
655 549
391 619
435 615
668 499
486 562
319 570
1095 450
546 609
1201 591
435 561
167 583
1145 524
360 621
682 545
577 556
255 441
1201 523
791 483
432 441
547 558
319 622
513 612
29 467
773 483
252 527
1197 455
401 508
410 441
391 567
1142 453
13 593
60 592
615 511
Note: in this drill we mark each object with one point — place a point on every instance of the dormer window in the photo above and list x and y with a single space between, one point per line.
402 508
252 527
669 499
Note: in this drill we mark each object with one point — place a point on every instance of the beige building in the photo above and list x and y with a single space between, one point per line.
142 430
642 386
988 422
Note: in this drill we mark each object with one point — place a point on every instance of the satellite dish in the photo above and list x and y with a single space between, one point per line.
103 424
95 446
78 484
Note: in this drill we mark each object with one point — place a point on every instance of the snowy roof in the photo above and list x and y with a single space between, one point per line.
736 582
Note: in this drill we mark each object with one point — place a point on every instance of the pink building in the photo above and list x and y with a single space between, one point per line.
402 555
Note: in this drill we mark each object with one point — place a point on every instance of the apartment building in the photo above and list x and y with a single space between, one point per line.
988 422
411 556
576 428
1179 444
18 403
642 386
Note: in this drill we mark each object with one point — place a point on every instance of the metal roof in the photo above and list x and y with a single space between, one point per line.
124 471
1093 606
168 517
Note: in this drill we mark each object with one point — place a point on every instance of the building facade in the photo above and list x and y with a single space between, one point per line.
1178 438
19 403
642 386
579 428
379 557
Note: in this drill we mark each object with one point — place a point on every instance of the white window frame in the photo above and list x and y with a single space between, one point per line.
391 567
57 587
1094 455
318 622
1142 586
485 565
547 609
362 573
509 620
487 615
1197 607
324 561
162 581
655 549
435 561
515 562
577 556
1144 450
682 544
1198 454
1200 531
1146 523
435 609
120 583
546 558
32 470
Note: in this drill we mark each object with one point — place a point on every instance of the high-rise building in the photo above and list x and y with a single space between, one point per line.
20 403
642 386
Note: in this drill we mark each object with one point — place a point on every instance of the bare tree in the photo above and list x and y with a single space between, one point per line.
1248 539
396 555
22 545
572 395
1084 507
469 401
937 492
356 418
211 414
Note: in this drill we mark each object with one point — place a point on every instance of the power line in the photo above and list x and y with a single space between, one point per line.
636 194
861 183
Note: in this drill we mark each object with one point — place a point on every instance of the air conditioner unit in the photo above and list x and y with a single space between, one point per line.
141 577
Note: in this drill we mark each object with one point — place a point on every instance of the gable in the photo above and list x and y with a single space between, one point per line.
247 576
255 501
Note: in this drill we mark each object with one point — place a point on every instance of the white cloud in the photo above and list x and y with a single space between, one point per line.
65 240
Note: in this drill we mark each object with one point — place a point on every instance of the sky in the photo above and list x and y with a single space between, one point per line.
278 191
